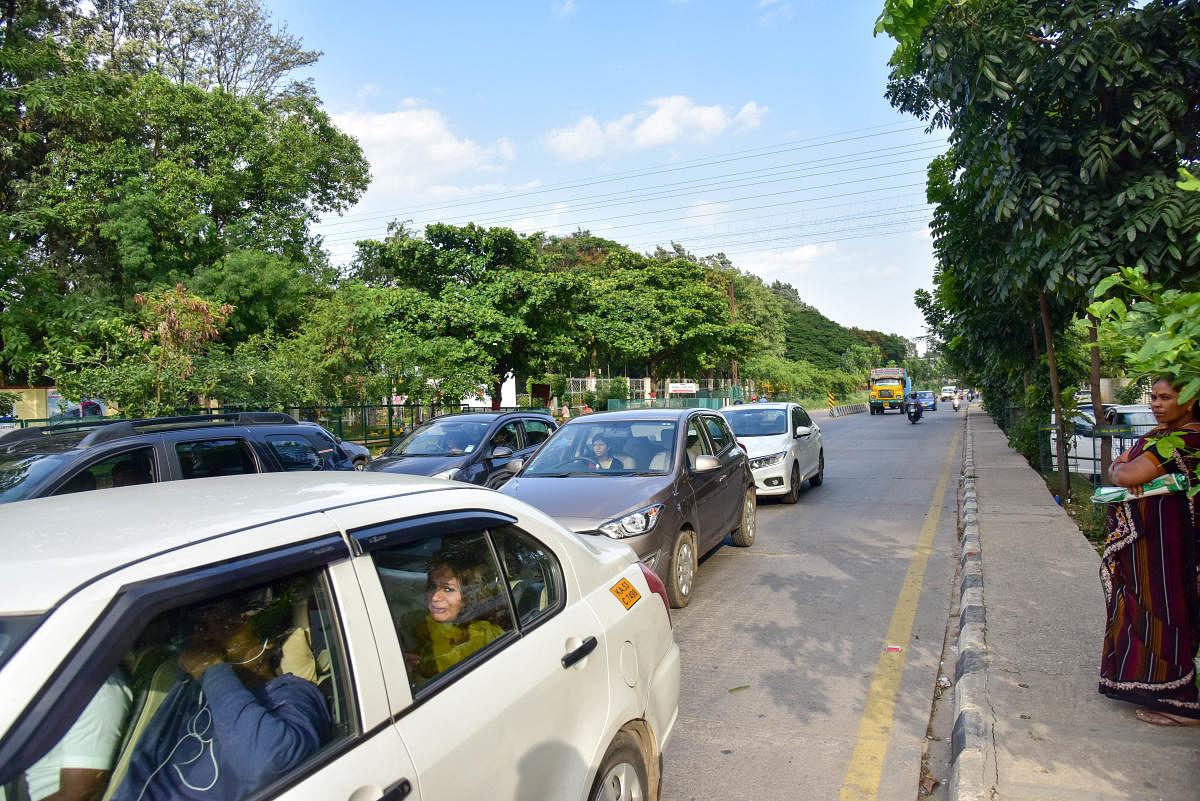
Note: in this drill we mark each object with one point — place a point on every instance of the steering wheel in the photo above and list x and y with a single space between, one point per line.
579 461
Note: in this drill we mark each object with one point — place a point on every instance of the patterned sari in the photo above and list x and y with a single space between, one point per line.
1149 571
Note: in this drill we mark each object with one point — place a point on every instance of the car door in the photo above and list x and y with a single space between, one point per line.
252 676
127 465
805 446
706 487
508 435
508 713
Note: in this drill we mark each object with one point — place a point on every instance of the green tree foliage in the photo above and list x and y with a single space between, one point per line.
1066 122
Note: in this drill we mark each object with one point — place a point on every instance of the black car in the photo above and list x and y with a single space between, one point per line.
473 447
59 459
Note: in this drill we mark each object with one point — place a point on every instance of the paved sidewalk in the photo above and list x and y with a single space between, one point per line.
1029 721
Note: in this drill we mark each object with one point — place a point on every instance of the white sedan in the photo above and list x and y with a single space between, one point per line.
784 446
310 635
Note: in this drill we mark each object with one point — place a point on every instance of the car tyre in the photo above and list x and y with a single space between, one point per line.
360 464
622 774
681 578
793 493
743 535
818 479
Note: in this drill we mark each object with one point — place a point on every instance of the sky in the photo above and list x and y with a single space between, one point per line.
757 129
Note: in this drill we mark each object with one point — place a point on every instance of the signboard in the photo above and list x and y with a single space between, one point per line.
682 386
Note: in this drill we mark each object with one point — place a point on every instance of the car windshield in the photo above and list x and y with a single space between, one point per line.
20 474
621 447
13 630
1137 418
925 393
442 437
752 422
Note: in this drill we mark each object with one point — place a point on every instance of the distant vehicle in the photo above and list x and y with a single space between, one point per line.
473 447
948 393
282 637
928 399
889 387
1124 422
107 452
784 446
676 486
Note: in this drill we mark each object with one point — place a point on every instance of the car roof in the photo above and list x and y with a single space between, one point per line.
487 415
52 545
755 405
636 414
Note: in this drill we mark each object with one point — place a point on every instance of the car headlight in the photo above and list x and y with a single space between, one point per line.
453 473
767 461
634 523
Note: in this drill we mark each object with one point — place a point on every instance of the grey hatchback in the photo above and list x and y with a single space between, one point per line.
672 483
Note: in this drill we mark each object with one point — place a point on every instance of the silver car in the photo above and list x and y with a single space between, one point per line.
673 483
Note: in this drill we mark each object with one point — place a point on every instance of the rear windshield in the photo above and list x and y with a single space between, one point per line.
13 631
21 474
754 422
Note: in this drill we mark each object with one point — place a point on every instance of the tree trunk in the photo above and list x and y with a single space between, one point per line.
1097 405
1064 473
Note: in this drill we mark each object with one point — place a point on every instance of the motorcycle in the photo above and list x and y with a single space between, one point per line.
913 410
957 401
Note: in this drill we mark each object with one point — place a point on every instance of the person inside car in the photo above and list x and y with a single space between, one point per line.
455 626
231 723
602 460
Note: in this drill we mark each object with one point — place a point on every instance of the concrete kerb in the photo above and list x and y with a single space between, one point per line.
849 408
973 753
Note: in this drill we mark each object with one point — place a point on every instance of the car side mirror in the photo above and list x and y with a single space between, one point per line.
803 431
514 465
502 452
705 463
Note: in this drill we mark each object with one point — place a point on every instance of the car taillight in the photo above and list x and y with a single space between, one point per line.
743 447
657 587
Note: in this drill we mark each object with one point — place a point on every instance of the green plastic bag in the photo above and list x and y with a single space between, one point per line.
1171 482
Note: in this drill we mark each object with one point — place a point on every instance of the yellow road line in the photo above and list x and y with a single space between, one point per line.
861 782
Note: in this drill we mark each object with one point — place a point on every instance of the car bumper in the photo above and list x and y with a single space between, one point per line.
771 480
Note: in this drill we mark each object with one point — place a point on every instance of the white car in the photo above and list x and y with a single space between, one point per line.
326 636
784 446
948 393
1124 423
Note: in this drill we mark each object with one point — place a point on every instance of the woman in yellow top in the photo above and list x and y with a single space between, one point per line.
448 635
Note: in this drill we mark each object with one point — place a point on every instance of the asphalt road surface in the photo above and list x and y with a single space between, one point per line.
810 660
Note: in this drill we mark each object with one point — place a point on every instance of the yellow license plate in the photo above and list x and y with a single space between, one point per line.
626 593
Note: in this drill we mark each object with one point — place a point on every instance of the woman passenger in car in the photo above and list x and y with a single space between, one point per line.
454 627
605 461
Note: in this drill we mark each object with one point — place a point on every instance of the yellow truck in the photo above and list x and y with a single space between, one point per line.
889 386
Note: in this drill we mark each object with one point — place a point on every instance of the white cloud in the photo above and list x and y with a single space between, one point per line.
669 120
774 12
564 8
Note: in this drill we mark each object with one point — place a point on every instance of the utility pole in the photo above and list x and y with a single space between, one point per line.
732 319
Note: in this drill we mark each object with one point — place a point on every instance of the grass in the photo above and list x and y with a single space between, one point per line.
1087 515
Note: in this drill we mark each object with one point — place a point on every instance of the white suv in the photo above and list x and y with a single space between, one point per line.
303 636
784 446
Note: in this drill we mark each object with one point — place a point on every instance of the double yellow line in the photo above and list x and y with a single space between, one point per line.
861 782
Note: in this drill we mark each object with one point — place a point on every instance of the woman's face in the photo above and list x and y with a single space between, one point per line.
1164 403
445 595
600 448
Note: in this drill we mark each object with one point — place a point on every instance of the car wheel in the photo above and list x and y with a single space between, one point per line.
793 493
743 535
622 774
819 478
360 464
682 576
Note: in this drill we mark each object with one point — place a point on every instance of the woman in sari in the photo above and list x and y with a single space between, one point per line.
1149 570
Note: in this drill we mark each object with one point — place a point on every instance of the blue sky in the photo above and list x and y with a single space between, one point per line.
758 129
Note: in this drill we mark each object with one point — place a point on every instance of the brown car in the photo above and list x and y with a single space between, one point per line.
672 483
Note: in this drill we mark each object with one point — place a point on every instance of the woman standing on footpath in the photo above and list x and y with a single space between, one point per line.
1149 571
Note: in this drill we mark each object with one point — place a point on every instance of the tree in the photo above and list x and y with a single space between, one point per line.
1066 122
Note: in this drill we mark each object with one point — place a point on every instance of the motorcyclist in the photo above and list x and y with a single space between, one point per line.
958 396
913 403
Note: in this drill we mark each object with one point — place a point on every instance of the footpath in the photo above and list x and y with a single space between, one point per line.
1029 723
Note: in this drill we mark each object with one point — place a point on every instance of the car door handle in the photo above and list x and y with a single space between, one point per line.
723 477
397 791
579 653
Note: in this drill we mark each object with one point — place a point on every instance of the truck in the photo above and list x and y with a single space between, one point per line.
889 387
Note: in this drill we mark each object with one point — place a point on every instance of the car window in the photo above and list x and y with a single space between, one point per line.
216 698
215 457
531 572
295 452
697 443
507 436
120 470
805 420
447 601
796 420
716 433
536 431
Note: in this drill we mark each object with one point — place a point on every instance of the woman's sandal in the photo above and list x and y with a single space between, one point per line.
1164 718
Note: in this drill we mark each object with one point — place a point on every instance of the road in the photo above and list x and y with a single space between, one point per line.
810 659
